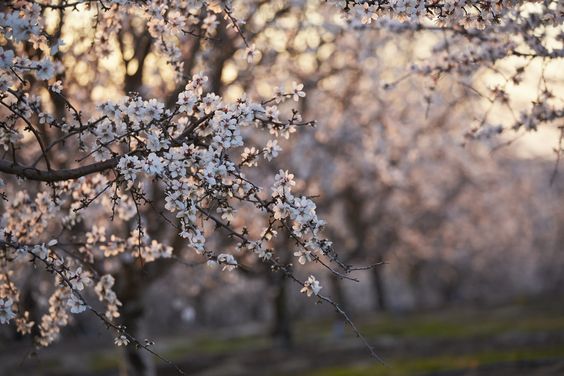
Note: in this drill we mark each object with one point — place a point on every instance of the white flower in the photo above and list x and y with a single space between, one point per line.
228 261
251 53
272 112
259 250
187 100
8 137
197 83
271 150
153 109
303 210
121 340
367 13
226 213
280 210
297 90
303 256
6 313
24 325
210 23
129 166
249 156
153 165
75 304
155 250
80 279
279 94
40 251
44 69
210 103
55 47
156 143
196 240
311 286
5 81
6 58
45 118
268 233
283 183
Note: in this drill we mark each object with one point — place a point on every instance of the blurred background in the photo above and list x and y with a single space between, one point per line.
468 232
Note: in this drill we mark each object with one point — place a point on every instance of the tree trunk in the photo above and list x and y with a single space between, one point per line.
415 277
339 298
379 289
282 327
135 362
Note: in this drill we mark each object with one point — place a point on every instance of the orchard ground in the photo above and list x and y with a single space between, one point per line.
521 338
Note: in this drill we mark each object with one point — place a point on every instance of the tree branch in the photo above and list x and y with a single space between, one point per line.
51 176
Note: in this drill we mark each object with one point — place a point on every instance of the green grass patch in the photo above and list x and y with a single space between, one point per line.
205 345
460 327
418 366
104 361
453 323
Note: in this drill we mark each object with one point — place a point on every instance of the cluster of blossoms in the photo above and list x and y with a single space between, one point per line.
451 12
108 296
194 173
479 36
70 280
169 23
188 151
194 153
311 286
25 24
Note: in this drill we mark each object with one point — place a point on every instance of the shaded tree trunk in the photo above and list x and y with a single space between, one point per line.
415 278
282 328
133 82
380 294
339 297
135 362
199 303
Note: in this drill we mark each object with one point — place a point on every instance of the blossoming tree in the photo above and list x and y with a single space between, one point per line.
106 185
